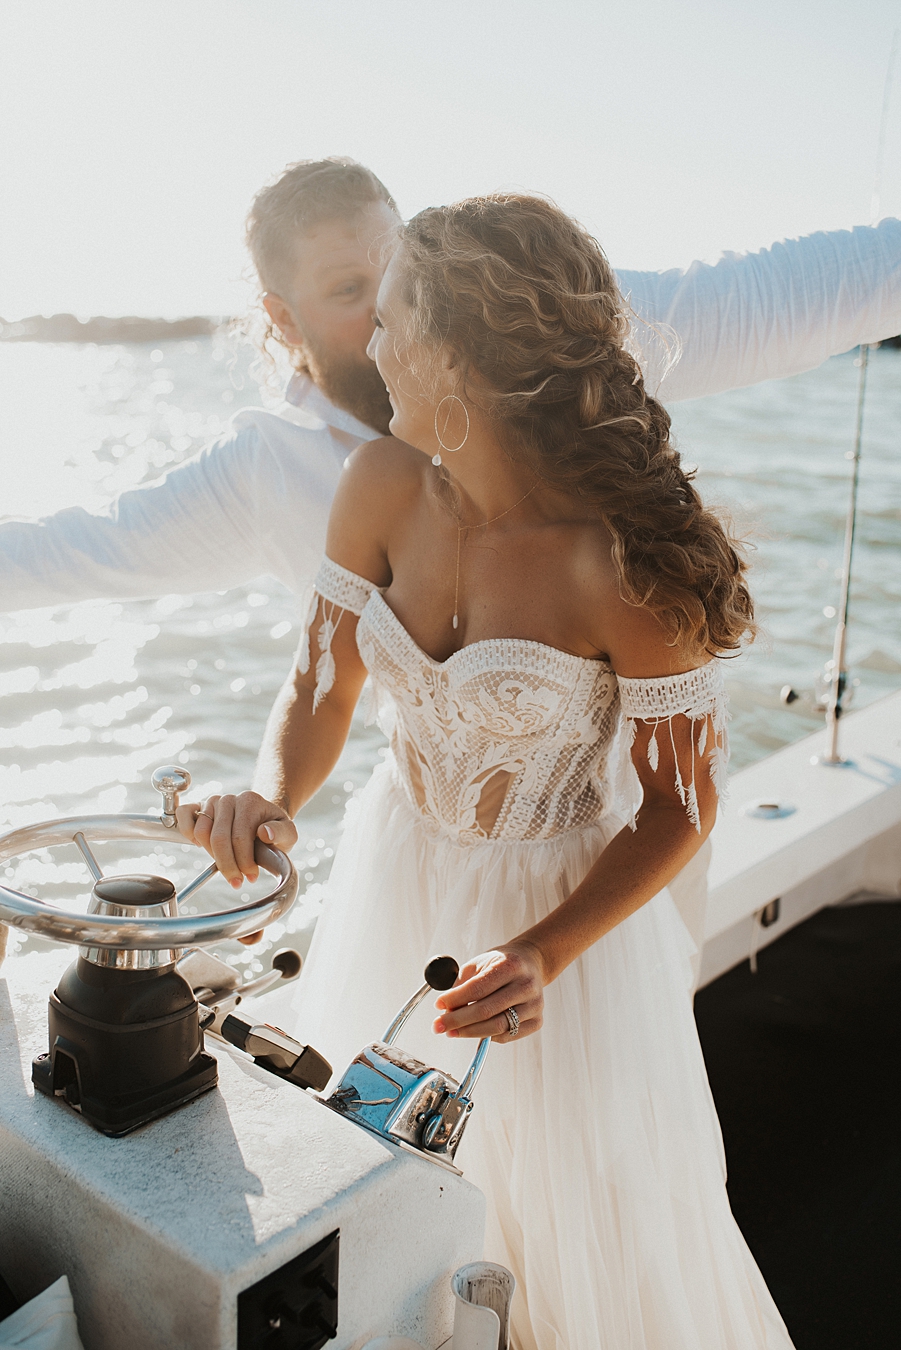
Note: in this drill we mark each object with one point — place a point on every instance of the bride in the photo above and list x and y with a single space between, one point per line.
540 600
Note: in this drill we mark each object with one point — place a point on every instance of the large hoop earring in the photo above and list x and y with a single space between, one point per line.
450 449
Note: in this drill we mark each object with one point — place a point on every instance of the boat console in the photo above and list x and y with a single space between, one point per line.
253 1217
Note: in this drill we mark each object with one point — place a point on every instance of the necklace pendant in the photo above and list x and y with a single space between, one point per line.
456 621
436 460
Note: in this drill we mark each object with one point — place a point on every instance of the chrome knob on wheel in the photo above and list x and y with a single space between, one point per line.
170 780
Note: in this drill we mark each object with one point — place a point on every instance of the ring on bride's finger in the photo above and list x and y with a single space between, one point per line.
512 1017
203 813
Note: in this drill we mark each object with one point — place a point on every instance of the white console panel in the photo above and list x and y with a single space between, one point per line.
160 1231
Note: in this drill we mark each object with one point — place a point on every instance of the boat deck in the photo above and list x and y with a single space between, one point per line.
804 1059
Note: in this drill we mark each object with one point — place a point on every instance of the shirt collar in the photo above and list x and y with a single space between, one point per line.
304 394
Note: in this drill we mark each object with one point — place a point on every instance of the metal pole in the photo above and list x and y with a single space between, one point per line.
839 679
839 674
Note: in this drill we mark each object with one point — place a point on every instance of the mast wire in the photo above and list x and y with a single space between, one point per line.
838 682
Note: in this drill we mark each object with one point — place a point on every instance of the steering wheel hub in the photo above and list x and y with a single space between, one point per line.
133 896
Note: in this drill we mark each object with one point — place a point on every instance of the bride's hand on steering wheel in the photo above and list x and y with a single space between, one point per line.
510 976
227 827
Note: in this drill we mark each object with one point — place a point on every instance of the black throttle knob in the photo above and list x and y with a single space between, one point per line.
288 961
441 972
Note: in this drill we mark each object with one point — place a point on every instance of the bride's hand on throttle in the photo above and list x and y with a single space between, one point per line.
511 976
228 826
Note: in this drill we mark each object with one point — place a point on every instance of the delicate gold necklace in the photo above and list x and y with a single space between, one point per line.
460 532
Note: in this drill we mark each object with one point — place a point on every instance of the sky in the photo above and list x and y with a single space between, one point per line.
134 134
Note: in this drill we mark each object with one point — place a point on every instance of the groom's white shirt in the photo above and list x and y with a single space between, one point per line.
257 500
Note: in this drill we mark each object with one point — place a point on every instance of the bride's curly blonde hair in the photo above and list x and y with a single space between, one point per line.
527 301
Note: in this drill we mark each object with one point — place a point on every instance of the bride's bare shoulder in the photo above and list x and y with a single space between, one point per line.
386 462
380 475
380 481
635 637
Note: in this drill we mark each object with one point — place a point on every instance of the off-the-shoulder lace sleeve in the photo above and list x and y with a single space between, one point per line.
698 695
339 590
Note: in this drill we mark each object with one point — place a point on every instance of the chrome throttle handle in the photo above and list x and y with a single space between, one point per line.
401 1099
216 985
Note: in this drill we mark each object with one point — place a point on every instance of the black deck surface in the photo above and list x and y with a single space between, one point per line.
804 1060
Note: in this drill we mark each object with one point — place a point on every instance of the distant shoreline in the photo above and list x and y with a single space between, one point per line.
68 328
132 328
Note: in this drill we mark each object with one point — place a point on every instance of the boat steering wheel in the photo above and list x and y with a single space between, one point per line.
147 918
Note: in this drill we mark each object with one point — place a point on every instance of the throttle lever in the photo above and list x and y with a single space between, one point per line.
277 1052
441 973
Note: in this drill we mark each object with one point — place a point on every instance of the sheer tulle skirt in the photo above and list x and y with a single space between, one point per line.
595 1141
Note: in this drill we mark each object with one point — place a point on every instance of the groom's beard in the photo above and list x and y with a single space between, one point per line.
356 386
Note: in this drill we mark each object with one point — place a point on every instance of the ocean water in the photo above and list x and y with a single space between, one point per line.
93 696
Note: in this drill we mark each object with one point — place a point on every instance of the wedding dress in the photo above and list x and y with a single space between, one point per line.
595 1140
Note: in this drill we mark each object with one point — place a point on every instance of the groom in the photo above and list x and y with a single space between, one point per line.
257 500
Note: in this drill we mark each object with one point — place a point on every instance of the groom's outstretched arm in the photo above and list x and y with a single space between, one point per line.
255 501
762 316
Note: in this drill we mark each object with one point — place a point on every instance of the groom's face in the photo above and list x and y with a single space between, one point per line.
326 311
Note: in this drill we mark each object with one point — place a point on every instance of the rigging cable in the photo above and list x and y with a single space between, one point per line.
838 675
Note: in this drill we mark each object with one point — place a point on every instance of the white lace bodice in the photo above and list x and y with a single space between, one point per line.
510 739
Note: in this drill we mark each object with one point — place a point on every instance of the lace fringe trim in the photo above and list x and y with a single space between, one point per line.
698 695
695 691
339 590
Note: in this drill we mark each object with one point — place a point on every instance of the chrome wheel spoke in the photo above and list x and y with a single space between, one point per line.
195 885
84 849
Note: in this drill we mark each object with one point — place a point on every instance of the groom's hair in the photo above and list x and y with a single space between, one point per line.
305 195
